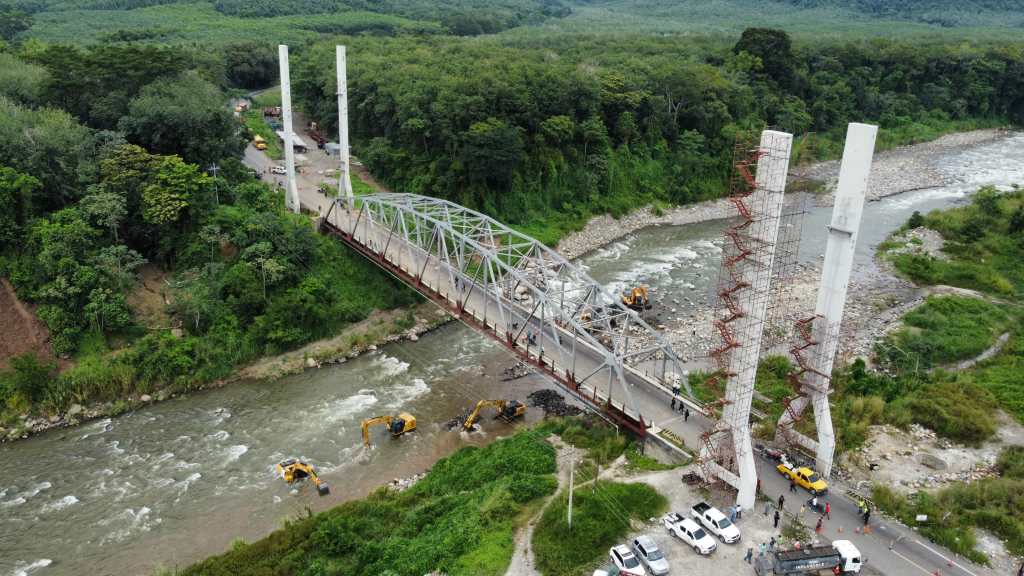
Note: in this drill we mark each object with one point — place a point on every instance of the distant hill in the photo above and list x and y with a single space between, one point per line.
946 13
460 17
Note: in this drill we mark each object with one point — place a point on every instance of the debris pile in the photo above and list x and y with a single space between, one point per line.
552 403
517 371
459 420
401 484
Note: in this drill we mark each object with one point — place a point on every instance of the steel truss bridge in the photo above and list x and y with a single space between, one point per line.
519 292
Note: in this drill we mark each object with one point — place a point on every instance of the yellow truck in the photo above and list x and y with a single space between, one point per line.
804 477
259 143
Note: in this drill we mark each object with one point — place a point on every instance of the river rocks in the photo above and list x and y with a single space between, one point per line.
311 363
75 410
145 398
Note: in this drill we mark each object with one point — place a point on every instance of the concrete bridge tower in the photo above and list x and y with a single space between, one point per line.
818 336
344 174
743 293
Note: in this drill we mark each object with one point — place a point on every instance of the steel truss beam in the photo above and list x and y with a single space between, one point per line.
517 287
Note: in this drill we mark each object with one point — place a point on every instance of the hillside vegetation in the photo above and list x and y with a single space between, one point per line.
86 200
458 520
546 132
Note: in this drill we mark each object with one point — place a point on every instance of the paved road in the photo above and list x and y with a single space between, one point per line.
317 168
891 548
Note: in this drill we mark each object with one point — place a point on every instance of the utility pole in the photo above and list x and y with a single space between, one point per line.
292 192
572 466
344 177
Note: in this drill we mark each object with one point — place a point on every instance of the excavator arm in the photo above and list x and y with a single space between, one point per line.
294 470
396 425
385 420
508 409
498 405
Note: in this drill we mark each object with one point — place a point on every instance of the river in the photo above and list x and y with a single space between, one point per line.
181 480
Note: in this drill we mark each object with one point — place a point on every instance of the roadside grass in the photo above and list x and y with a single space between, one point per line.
460 519
256 124
601 518
993 504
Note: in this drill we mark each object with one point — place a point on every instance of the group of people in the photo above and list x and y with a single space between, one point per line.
762 549
682 407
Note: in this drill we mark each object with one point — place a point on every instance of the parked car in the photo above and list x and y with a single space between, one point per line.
647 551
716 522
803 477
623 559
278 170
689 532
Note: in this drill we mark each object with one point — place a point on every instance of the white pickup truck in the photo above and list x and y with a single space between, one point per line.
716 522
689 532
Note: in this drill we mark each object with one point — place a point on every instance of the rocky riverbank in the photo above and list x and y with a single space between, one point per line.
901 169
893 171
382 327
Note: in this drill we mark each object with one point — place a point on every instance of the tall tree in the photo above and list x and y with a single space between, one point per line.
185 115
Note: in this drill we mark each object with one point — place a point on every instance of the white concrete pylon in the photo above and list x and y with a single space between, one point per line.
843 231
344 174
732 432
291 200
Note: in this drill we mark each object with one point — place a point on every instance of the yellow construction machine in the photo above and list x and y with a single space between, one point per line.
636 298
294 470
397 425
507 409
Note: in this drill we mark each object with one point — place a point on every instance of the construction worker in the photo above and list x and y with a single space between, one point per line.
828 511
776 519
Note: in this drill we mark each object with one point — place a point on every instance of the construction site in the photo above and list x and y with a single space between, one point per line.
654 395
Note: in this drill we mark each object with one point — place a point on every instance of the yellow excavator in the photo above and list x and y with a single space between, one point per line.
507 409
397 425
294 470
636 298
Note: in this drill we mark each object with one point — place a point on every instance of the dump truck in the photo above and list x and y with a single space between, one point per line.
842 557
396 425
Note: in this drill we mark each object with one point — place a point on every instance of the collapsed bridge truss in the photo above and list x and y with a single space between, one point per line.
517 290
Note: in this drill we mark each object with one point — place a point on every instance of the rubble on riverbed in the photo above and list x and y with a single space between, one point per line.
552 403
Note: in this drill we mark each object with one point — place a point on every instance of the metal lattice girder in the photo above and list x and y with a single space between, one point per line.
516 285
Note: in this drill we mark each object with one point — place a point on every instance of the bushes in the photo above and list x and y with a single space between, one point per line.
959 410
601 518
995 504
943 330
983 244
26 382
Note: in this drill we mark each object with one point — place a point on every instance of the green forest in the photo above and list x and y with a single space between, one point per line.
109 136
544 134
107 170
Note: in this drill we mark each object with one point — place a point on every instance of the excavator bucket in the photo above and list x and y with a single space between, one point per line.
323 489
